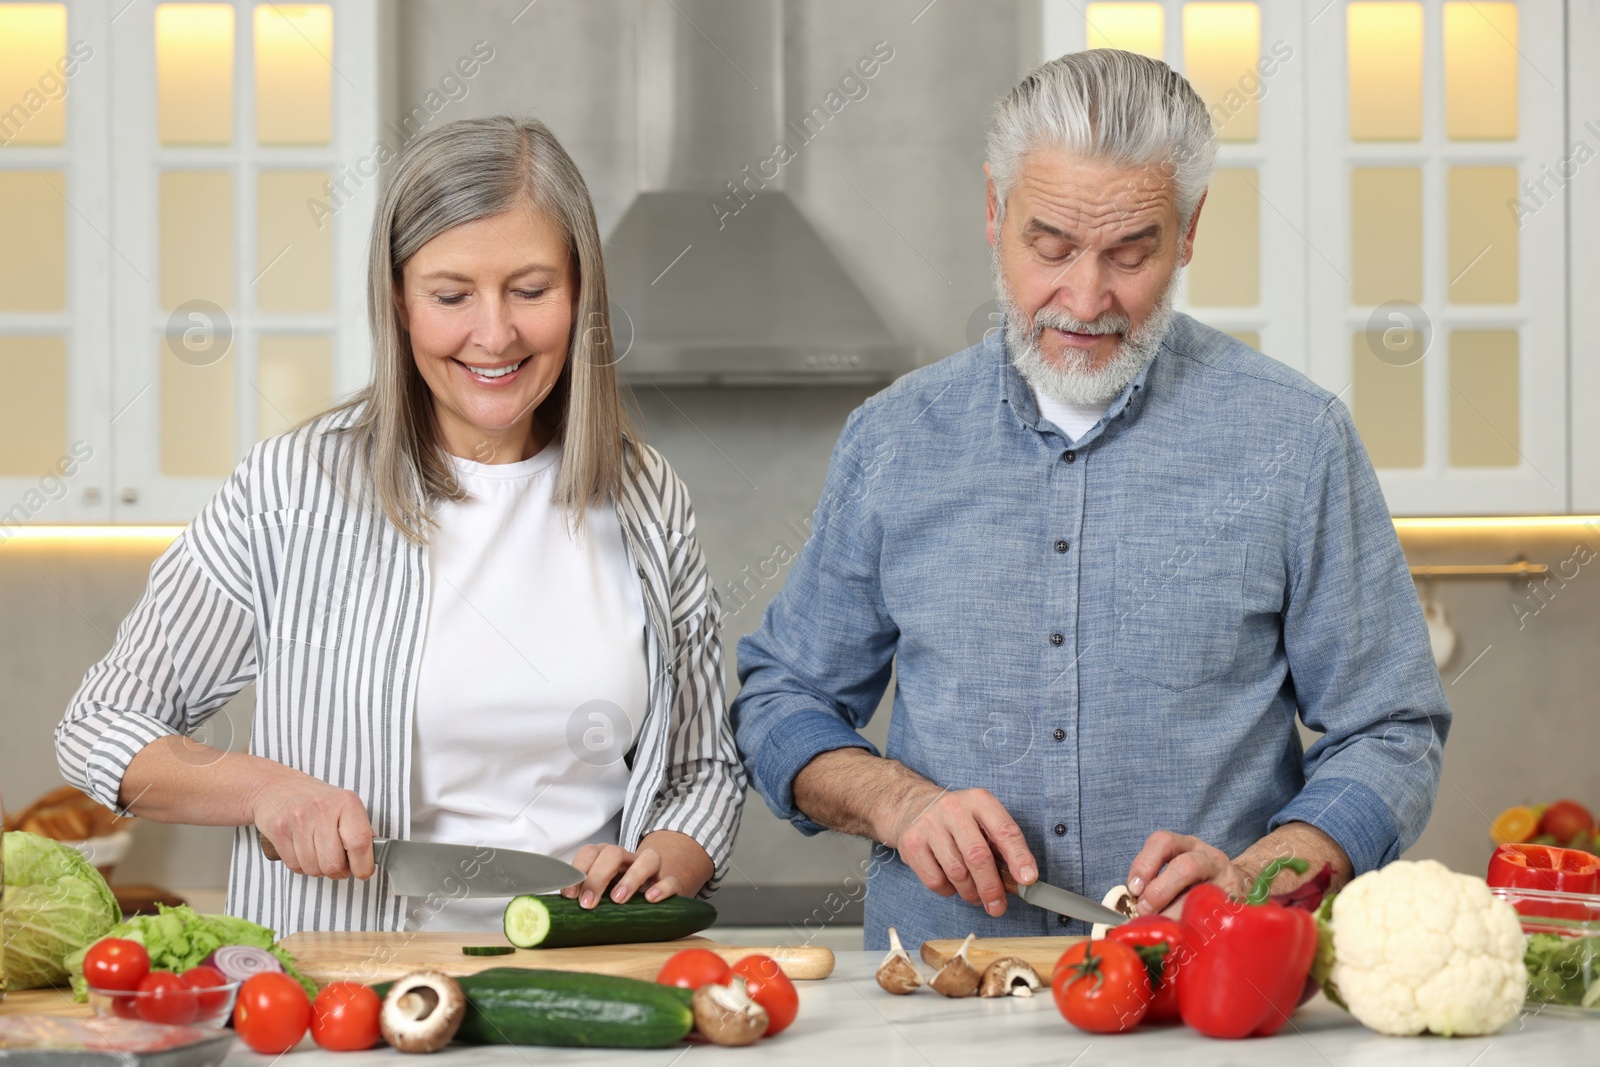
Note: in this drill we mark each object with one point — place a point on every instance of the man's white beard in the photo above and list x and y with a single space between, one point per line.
1068 378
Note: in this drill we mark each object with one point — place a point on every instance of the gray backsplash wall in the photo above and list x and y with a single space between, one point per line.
894 185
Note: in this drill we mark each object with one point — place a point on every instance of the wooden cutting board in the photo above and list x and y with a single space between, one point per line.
378 956
1040 953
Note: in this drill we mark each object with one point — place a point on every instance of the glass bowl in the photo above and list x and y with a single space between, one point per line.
1563 948
209 1006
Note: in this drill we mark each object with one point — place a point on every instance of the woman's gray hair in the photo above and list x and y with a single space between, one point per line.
1109 106
463 171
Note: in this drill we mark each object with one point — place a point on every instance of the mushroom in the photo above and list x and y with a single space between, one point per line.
897 974
422 1012
1009 977
1120 899
958 977
725 1014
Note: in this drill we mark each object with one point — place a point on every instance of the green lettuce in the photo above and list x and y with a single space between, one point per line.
56 903
180 938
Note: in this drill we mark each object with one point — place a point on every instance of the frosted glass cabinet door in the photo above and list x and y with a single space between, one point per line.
1437 283
55 267
241 313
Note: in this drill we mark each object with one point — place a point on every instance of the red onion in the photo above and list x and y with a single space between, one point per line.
238 962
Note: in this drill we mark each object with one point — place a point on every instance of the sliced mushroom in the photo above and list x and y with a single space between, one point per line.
725 1014
1009 977
422 1012
1120 899
958 977
897 974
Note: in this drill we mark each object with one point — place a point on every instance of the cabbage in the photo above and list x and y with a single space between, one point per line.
55 904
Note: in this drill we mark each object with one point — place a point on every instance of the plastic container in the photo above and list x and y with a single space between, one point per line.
1563 954
209 1006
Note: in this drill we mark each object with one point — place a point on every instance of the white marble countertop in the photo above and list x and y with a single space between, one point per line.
847 1020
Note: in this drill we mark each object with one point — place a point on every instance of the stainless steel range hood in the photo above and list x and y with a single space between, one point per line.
720 275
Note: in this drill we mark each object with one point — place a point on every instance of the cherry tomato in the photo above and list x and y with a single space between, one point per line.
770 988
693 968
116 964
203 977
125 1006
166 999
1159 942
272 1013
1102 987
344 1017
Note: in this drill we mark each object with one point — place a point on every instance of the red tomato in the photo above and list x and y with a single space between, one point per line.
203 977
1566 820
770 988
166 999
693 968
125 1006
344 1017
1151 933
272 1013
115 963
1102 987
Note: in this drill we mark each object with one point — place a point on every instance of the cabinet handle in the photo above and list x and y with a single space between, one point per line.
130 496
91 495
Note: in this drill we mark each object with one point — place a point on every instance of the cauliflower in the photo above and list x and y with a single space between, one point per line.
1417 947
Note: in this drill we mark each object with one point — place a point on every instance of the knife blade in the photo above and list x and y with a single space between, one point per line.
1062 901
418 868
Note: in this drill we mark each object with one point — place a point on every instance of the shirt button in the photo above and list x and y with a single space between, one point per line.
1062 546
1059 734
1069 456
1056 639
1062 920
1061 829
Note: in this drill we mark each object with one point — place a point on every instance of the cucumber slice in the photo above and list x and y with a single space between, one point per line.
487 950
527 921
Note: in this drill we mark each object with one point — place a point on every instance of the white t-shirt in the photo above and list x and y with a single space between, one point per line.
1074 420
532 684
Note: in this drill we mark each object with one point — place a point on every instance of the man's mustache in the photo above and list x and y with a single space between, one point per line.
1053 318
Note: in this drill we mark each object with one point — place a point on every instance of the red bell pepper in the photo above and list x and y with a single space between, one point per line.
1547 868
1559 870
1246 961
1159 942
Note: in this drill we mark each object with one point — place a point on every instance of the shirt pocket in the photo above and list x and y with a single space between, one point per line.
308 563
1179 610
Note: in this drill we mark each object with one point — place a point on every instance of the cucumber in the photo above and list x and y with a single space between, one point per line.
513 1006
487 950
556 922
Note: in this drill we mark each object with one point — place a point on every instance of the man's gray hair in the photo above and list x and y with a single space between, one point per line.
1112 107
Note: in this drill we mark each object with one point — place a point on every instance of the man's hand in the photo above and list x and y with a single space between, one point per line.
1170 863
950 839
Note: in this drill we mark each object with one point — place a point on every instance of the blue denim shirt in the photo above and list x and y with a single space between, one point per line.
1112 635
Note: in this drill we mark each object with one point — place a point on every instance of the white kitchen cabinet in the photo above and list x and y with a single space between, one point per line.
1403 263
1579 166
214 207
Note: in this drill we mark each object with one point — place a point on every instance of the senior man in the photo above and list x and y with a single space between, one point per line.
1110 556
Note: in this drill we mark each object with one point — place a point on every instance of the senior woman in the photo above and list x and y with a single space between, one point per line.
472 601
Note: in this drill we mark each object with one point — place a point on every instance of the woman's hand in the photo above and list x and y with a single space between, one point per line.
667 864
316 829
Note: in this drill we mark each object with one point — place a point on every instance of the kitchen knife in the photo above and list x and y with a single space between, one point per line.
1062 901
418 868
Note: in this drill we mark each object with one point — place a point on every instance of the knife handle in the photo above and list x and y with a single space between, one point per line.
1005 879
266 848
